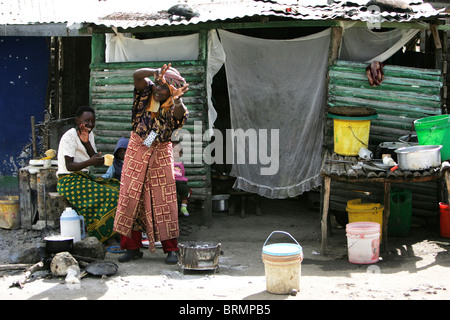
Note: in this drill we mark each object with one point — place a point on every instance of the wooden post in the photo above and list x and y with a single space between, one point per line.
26 203
335 44
324 221
447 181
207 203
438 47
33 136
98 46
386 213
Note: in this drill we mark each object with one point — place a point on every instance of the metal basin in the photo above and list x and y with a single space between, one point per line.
220 202
419 157
195 255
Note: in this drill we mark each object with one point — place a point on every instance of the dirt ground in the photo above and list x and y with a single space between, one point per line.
412 268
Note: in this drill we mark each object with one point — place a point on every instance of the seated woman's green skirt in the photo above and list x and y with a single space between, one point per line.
94 198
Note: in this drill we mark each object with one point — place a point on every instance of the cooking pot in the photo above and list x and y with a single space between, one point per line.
418 157
55 244
220 202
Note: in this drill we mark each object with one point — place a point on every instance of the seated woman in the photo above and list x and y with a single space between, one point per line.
94 198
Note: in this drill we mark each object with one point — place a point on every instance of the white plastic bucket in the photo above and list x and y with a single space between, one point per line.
363 242
282 266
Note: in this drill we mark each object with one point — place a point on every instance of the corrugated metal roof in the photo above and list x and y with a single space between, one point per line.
140 13
210 11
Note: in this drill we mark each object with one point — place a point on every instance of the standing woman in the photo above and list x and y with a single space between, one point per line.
148 197
94 198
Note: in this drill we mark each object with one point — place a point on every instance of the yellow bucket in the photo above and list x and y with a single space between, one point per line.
9 212
350 136
369 212
351 133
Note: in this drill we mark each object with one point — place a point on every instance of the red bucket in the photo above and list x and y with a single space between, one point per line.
444 219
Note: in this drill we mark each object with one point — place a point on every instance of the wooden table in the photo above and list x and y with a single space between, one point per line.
340 168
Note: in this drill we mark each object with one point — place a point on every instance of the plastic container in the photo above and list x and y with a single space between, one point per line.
363 242
282 266
351 133
400 212
359 211
9 212
72 225
444 219
435 130
350 136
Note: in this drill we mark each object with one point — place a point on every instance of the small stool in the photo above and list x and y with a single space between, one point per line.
242 198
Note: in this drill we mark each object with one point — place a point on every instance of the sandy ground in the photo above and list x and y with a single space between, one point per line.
412 268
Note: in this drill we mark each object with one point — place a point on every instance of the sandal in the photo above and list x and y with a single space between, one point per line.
130 254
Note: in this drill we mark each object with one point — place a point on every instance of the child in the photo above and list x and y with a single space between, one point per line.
180 179
115 171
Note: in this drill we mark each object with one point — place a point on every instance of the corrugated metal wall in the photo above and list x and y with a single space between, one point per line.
406 94
112 99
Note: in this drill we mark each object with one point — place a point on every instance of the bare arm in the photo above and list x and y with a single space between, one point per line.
180 108
96 160
139 77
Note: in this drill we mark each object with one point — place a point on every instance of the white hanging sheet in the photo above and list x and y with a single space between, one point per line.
366 45
278 84
123 49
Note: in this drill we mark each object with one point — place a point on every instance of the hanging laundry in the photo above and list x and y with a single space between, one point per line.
375 73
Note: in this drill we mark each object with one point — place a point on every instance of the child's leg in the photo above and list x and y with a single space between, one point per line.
183 191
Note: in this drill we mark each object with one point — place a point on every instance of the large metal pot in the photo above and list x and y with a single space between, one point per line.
419 157
55 244
220 202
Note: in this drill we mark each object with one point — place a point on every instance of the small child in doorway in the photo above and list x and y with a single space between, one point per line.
180 179
115 171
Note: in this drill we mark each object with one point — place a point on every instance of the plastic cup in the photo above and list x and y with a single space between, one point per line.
108 159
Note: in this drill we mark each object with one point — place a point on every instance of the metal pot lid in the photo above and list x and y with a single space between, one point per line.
102 268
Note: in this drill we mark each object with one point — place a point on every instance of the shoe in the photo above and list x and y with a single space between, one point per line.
172 257
130 254
184 211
